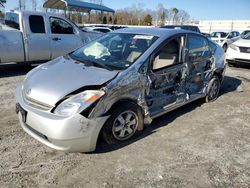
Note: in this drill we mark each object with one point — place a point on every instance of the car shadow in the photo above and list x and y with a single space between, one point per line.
229 84
157 123
14 69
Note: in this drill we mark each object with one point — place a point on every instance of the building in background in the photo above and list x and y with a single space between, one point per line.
208 26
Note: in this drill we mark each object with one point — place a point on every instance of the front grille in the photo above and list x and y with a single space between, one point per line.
244 49
36 104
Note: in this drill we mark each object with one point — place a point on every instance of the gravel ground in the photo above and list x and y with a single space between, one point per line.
198 145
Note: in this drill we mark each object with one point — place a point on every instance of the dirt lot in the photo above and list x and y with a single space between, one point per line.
199 145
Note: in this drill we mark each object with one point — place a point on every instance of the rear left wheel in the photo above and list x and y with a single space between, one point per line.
213 89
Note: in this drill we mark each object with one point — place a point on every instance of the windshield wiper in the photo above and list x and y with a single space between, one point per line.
88 61
93 63
99 65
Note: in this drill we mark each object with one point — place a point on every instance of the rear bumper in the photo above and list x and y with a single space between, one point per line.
72 134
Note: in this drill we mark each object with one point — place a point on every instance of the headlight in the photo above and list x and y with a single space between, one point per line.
77 103
234 47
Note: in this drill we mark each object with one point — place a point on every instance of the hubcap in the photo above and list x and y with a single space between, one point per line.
125 125
214 89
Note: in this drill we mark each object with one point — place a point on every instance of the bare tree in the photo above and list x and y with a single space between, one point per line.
137 15
175 12
182 16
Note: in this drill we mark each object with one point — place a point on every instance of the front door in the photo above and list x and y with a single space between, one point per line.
198 59
167 77
64 38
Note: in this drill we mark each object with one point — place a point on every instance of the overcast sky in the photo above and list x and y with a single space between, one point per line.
198 9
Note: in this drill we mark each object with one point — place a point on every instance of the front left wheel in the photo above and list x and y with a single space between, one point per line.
125 122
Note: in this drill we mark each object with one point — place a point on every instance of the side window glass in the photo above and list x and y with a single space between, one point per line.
212 46
59 26
231 35
37 24
198 48
168 55
236 34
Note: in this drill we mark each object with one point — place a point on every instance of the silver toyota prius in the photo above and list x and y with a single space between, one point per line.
115 85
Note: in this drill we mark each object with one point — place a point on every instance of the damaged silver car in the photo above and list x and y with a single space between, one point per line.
115 85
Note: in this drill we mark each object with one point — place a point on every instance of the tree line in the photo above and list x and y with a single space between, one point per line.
134 15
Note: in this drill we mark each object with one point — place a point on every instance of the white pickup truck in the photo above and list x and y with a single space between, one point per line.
39 36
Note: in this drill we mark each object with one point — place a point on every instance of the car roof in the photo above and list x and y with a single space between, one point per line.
38 13
154 31
99 28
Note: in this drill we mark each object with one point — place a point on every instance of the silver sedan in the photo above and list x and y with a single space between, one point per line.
115 85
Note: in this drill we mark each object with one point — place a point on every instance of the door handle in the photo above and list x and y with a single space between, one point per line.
56 39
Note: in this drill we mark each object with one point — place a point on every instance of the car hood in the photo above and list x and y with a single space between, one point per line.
51 82
242 43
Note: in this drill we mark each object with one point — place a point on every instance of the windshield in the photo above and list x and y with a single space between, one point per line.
245 32
12 20
217 34
247 36
115 51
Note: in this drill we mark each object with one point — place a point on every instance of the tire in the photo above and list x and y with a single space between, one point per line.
225 47
119 127
213 89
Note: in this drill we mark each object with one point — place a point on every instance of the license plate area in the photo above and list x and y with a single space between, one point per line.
23 112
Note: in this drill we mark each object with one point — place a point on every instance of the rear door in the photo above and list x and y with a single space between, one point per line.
37 39
198 58
64 37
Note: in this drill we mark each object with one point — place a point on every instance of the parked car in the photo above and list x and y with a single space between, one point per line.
225 39
98 29
186 27
244 33
239 51
116 84
38 36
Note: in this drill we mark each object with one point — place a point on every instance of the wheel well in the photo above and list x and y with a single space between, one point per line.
219 74
121 102
116 105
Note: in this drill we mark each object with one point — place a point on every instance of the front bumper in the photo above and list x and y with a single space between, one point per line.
233 56
71 134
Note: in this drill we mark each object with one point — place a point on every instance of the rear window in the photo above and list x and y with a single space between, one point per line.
37 24
12 20
217 34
